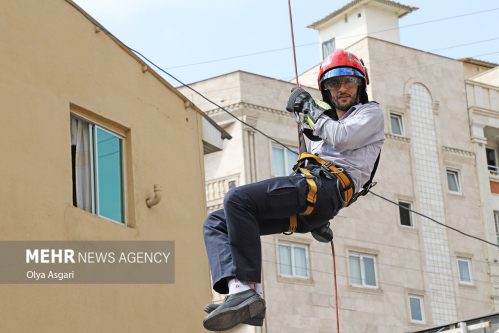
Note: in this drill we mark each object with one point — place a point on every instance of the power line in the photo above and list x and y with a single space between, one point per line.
429 21
211 101
433 220
271 138
239 56
344 37
389 60
285 146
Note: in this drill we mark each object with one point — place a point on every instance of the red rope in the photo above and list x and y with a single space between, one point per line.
335 291
301 139
293 42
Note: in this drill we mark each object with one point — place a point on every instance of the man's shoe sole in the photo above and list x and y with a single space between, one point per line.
228 318
255 321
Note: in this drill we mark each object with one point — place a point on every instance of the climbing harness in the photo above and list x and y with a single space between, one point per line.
345 184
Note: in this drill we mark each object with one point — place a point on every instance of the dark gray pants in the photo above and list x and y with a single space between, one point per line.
232 235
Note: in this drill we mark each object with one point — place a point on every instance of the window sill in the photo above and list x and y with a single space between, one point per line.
366 290
294 280
467 285
418 323
84 215
406 228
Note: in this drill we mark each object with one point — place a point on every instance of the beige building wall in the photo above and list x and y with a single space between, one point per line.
393 69
443 78
358 19
483 108
56 61
419 260
428 93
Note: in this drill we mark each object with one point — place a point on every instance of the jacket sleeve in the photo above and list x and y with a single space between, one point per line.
355 131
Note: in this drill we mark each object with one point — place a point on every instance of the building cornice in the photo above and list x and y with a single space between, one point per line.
397 138
481 84
478 111
242 105
457 151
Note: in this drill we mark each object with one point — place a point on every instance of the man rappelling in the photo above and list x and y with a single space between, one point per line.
346 132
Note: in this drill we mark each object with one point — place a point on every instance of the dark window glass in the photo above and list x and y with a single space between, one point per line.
405 215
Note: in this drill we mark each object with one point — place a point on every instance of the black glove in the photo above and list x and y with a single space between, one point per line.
313 110
301 101
323 234
309 133
298 97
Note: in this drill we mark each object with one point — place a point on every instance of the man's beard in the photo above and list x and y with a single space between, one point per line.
344 107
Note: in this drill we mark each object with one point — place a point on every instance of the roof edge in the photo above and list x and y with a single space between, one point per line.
406 9
479 62
145 65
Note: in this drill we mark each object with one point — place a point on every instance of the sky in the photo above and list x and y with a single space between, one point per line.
190 39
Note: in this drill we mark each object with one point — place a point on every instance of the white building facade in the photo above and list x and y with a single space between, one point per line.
396 272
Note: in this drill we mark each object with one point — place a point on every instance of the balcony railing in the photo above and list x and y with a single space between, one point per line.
482 96
494 170
216 190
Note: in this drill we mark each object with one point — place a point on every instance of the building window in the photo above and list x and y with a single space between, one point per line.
363 270
453 184
97 165
293 260
404 214
464 270
492 160
282 161
328 48
416 309
496 222
396 124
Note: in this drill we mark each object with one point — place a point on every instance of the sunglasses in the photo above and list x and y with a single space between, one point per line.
335 83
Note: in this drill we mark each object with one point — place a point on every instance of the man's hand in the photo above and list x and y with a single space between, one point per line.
297 99
301 101
313 110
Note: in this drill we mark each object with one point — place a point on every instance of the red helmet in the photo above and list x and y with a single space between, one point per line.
341 63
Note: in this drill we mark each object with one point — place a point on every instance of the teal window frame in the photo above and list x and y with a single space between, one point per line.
97 190
99 187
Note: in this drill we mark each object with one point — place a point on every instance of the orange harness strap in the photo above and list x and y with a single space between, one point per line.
346 186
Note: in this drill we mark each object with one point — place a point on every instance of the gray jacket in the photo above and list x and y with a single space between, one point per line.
353 142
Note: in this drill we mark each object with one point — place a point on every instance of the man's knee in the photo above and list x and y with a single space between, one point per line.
232 195
214 221
238 197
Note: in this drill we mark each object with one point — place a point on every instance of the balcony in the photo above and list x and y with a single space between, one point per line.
482 97
216 190
491 154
